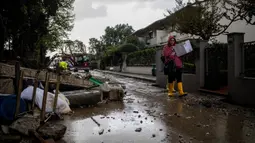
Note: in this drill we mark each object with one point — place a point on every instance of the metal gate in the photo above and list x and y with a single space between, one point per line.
216 65
248 58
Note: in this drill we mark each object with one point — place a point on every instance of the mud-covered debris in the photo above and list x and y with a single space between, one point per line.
10 138
248 135
180 136
135 111
5 129
138 129
207 133
101 131
113 118
153 135
177 115
102 117
54 131
181 140
24 124
130 101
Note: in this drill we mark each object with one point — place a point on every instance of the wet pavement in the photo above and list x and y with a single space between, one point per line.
147 115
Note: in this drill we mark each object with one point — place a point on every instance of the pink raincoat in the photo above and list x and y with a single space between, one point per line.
169 54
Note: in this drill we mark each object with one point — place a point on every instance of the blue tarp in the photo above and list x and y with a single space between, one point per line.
8 107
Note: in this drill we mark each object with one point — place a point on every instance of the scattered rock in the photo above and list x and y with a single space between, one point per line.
248 135
160 129
188 117
180 136
145 118
109 130
113 118
24 124
130 101
101 131
135 111
141 121
153 135
139 116
102 117
207 133
198 125
54 131
138 130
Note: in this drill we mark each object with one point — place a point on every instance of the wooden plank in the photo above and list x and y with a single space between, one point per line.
45 94
20 84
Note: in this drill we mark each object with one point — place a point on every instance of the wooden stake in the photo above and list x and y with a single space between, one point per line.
45 94
56 93
34 90
20 85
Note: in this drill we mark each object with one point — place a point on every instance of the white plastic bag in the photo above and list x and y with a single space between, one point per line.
62 106
62 96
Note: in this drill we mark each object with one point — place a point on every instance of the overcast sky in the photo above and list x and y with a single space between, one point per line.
92 16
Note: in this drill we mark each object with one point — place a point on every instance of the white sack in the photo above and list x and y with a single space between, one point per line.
62 106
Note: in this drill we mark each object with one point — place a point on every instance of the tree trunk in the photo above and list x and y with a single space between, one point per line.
124 64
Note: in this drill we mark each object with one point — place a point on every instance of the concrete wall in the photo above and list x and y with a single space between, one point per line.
241 89
135 69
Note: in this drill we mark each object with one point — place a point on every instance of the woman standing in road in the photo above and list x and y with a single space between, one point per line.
172 67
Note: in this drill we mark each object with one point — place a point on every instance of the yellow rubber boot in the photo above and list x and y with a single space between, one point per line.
170 91
173 87
180 88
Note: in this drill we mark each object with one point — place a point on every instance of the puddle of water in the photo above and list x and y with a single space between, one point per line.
172 115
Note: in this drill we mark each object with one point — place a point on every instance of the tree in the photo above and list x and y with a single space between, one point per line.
35 26
96 46
116 35
202 18
240 9
125 49
134 40
80 46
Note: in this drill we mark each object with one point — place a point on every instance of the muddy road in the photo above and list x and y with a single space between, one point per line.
147 115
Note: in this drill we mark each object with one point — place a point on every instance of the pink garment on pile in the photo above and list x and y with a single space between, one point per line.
169 54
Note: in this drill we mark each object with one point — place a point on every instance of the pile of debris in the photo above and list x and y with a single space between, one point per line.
28 129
